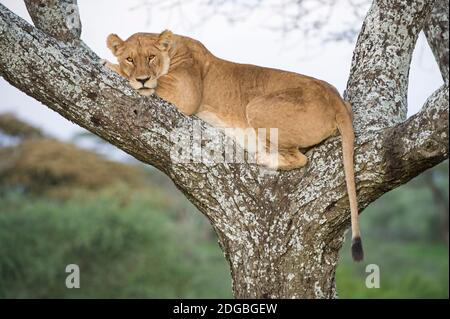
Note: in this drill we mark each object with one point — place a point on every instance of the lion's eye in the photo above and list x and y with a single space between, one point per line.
151 58
130 60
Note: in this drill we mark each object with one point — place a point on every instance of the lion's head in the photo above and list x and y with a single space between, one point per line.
143 58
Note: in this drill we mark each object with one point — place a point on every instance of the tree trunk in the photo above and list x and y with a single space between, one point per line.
281 231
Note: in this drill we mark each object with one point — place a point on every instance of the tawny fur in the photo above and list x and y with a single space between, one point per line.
181 70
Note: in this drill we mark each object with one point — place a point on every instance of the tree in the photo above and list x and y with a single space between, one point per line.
280 233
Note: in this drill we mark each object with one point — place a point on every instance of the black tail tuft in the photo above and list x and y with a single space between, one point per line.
357 249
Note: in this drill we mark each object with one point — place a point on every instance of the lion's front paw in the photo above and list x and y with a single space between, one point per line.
109 65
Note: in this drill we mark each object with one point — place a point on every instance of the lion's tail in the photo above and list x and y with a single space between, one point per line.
345 126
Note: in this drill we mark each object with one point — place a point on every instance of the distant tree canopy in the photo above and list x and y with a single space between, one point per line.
43 165
12 126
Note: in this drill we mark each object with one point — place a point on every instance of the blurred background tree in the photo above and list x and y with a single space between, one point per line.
135 236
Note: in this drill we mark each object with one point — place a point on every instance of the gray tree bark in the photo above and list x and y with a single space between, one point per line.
280 232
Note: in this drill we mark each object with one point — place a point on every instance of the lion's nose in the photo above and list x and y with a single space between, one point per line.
143 80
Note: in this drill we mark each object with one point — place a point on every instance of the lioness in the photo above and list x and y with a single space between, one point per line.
305 110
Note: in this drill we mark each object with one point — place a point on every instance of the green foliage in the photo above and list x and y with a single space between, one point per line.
48 167
131 250
406 235
10 125
407 270
411 212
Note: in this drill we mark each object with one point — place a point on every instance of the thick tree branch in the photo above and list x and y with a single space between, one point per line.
378 83
436 31
70 81
411 147
58 18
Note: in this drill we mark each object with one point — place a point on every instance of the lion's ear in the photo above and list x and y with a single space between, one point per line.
165 40
114 42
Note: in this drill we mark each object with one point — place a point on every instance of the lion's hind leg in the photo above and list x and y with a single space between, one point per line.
287 112
283 159
291 159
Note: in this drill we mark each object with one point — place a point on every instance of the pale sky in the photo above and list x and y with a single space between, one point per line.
248 42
